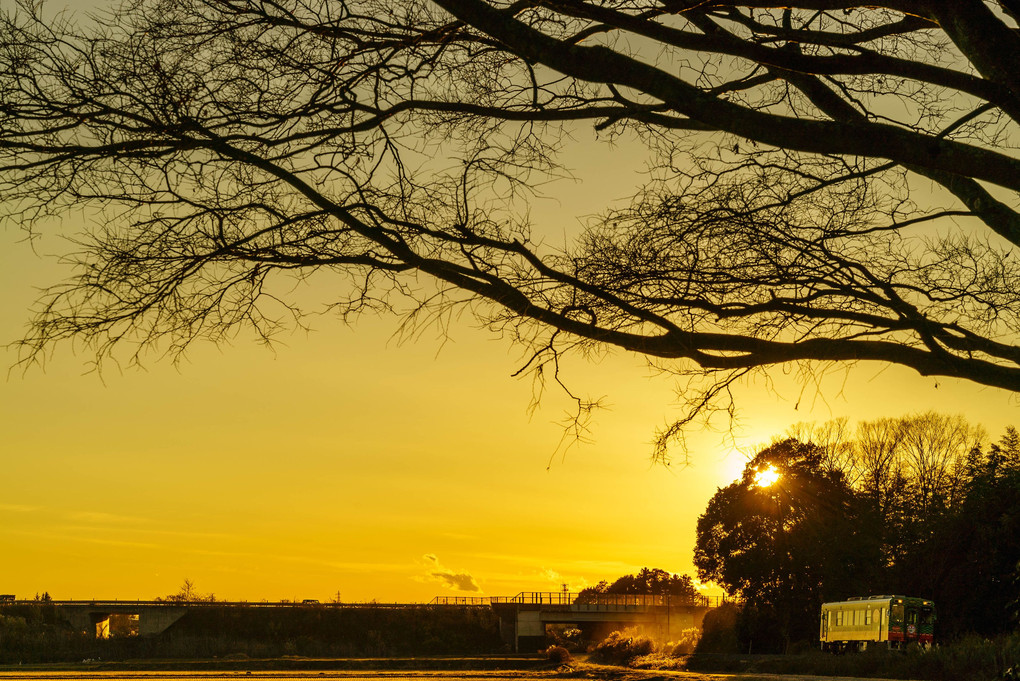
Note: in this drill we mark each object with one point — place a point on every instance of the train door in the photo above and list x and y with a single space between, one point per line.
926 628
912 619
896 632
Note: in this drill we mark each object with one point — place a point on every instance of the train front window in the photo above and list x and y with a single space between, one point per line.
927 615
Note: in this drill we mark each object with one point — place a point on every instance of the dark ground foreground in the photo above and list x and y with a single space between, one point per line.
503 668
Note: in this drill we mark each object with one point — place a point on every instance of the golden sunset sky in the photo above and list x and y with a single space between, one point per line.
344 460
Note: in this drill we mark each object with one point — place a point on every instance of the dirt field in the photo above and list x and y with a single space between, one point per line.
581 671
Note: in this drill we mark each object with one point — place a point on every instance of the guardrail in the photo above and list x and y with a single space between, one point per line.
538 598
461 600
618 600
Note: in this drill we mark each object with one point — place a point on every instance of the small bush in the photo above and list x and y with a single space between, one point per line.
558 655
566 636
621 647
659 661
684 645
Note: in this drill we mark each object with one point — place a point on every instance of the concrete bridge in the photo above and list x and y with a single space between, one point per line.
103 619
114 618
523 618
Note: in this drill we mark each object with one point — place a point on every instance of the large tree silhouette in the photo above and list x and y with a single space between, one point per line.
832 181
787 546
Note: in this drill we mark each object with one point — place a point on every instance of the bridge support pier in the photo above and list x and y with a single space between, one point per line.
522 624
530 631
106 620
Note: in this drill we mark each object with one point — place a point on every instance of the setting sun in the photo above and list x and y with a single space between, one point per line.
767 476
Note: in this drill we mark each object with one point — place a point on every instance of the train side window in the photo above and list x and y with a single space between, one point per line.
867 617
839 618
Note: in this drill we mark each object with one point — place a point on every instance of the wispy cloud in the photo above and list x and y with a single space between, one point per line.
554 577
100 518
70 537
459 581
551 575
17 508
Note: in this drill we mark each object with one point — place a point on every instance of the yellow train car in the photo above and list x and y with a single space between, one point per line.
891 620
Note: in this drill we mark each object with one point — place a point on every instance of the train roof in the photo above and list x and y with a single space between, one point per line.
882 598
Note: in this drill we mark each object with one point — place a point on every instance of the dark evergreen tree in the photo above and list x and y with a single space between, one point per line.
980 592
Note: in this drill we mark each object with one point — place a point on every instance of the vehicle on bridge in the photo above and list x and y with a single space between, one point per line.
893 621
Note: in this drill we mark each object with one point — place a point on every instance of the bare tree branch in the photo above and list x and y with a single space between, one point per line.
228 146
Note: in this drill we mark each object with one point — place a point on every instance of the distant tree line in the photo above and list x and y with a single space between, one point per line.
653 581
919 505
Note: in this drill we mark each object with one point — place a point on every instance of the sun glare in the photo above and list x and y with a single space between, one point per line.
766 477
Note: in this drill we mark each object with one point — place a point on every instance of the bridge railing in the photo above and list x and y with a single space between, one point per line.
538 598
461 600
647 600
615 600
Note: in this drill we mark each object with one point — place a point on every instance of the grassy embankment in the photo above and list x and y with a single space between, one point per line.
967 659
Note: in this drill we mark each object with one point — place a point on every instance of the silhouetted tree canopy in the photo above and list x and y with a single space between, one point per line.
982 577
919 505
653 581
784 547
830 181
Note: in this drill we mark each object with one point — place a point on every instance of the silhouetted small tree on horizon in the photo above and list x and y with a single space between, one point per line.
189 594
